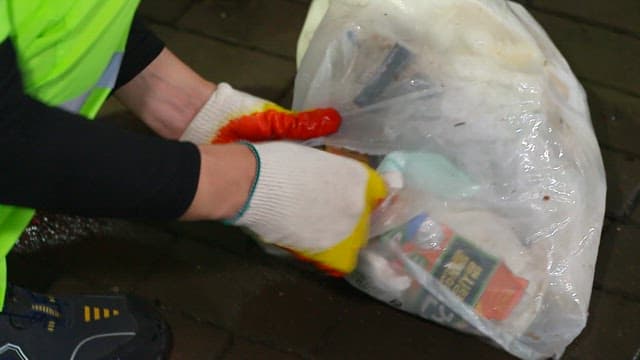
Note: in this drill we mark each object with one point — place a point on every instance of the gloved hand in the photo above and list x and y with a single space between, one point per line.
313 203
231 115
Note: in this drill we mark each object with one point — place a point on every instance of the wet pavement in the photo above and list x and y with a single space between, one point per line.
226 299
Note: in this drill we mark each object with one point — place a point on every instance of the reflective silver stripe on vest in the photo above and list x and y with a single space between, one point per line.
106 81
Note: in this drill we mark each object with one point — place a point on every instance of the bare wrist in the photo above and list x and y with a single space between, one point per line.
227 173
166 95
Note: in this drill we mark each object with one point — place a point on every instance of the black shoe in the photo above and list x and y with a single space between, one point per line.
35 326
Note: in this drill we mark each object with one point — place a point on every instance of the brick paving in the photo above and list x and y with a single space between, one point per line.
227 299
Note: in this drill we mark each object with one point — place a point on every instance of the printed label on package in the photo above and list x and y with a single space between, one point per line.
465 270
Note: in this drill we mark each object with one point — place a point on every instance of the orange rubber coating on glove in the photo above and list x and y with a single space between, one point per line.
275 124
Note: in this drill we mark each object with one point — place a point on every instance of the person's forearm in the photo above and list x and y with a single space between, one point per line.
166 95
227 173
57 161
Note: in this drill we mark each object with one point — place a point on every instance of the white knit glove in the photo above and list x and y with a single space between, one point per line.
231 115
313 203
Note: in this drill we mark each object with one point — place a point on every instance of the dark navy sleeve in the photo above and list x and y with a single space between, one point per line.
53 160
143 46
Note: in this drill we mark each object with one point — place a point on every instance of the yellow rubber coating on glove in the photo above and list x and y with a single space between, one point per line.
343 257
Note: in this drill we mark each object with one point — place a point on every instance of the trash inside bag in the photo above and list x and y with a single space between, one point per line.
483 135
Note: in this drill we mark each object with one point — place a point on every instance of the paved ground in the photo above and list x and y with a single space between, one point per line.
226 299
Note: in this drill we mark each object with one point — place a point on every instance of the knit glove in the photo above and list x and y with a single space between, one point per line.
315 204
231 115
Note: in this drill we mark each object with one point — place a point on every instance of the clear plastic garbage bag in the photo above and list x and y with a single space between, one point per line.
484 136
